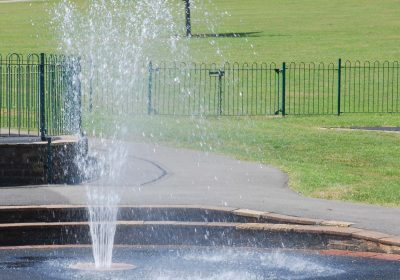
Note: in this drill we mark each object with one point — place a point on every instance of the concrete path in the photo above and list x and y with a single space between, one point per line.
157 175
18 1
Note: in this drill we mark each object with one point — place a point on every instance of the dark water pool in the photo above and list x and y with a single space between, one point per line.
194 263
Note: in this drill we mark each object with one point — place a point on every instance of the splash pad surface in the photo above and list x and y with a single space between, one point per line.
197 263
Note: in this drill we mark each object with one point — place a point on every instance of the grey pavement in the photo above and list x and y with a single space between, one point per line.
158 175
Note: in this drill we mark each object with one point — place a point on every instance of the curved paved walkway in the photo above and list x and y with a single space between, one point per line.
17 1
157 175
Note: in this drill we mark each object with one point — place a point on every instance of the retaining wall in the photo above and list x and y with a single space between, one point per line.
29 161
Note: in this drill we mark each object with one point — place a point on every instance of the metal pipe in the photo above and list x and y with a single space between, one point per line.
187 15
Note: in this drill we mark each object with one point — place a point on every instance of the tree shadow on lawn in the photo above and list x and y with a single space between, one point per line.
227 35
235 35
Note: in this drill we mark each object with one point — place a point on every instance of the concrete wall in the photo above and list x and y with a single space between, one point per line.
26 161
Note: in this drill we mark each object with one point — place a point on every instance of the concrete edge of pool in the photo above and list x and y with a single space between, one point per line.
184 225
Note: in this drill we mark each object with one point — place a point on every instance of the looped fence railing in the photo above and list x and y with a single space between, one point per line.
243 89
39 95
238 89
179 89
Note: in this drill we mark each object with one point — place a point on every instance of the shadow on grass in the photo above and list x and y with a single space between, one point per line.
227 35
236 35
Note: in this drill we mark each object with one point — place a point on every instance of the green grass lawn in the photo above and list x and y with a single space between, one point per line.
306 30
326 163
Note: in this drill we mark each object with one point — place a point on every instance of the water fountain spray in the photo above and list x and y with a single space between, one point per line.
114 39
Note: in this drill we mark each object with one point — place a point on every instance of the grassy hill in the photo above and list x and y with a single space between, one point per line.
272 30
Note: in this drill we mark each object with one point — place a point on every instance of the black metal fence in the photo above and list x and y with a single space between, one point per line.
39 95
201 89
261 89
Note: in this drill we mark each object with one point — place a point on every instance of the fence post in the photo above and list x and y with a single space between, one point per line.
42 98
284 89
220 74
339 85
149 93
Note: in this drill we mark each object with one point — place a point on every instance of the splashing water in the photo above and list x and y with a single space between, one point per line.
114 40
102 226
